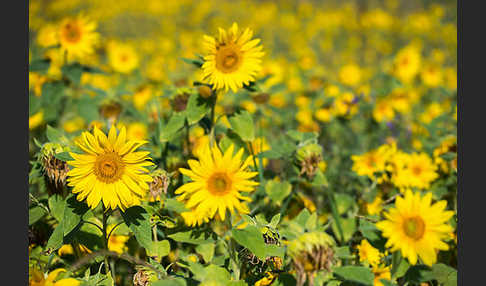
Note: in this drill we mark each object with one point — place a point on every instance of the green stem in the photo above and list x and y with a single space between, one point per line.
335 215
213 122
105 238
232 252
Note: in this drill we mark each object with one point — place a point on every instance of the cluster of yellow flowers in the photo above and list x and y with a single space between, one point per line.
389 164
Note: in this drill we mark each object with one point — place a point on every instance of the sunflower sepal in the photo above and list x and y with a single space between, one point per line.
196 62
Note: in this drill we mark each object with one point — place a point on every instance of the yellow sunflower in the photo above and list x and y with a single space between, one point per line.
232 59
416 227
381 272
368 253
37 278
110 170
122 57
217 180
418 171
77 36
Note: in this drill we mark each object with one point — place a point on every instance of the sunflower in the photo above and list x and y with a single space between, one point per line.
217 180
122 57
77 36
418 171
232 59
416 227
110 170
37 278
368 253
381 272
117 242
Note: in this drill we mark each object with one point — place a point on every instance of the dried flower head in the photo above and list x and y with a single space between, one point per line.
56 170
311 252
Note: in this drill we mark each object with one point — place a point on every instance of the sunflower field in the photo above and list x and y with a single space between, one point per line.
244 142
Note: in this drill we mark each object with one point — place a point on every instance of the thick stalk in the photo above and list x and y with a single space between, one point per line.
105 238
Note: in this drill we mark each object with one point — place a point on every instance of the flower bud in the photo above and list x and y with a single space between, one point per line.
309 157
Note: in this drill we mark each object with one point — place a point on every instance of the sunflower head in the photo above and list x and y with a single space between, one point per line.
110 170
311 252
77 36
417 227
217 182
56 170
160 183
309 157
232 59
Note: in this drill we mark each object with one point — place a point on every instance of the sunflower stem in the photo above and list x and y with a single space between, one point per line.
232 252
105 238
213 122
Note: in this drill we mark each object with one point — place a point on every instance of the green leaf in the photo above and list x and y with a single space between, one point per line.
176 122
197 108
177 281
73 72
56 205
251 238
189 237
278 191
311 223
357 274
56 136
159 249
301 136
302 217
209 273
387 282
275 220
343 252
64 156
242 124
138 220
52 93
56 239
206 251
368 229
319 179
35 214
401 268
444 274
172 204
198 63
343 202
39 65
73 211
348 226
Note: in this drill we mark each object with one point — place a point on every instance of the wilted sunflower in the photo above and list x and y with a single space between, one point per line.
416 227
217 181
77 36
232 59
110 170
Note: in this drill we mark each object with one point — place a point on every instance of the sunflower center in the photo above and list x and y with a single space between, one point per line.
228 58
416 170
414 227
71 33
219 184
109 167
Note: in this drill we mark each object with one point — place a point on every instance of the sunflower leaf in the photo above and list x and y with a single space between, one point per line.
36 213
242 124
73 211
138 220
197 62
176 122
197 108
357 274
